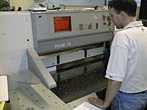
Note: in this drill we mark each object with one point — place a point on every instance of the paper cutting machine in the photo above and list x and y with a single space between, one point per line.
53 47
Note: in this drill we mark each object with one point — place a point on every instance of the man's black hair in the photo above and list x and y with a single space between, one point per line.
128 6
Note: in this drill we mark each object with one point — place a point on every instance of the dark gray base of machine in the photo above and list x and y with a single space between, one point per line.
83 84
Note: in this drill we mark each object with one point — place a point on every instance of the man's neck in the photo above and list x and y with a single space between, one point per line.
128 20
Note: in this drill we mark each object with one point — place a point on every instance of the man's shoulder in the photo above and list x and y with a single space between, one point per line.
131 31
120 33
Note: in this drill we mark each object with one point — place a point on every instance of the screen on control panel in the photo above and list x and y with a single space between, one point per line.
62 23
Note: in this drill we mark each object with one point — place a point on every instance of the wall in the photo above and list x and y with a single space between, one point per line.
78 2
25 4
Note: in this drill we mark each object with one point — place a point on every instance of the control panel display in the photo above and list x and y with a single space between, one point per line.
62 23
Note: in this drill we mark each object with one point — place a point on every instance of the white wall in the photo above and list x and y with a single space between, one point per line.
138 2
78 2
26 4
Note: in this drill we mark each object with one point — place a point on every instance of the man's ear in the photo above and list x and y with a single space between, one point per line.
123 14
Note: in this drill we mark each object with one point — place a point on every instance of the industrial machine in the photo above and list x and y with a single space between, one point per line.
69 41
59 56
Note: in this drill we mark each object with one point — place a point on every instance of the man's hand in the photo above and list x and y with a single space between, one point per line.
112 89
97 102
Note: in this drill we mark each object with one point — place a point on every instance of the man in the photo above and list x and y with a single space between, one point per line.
127 67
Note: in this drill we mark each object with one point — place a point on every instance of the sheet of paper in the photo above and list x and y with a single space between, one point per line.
86 106
3 88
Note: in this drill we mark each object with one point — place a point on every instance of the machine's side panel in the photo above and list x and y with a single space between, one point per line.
15 37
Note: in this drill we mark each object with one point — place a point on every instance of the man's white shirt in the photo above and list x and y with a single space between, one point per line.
128 58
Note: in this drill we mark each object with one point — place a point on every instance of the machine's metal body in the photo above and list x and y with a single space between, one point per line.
81 28
57 40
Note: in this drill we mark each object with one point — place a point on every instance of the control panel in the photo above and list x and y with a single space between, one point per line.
69 24
58 24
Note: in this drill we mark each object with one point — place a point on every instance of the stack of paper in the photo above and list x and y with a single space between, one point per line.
3 88
86 106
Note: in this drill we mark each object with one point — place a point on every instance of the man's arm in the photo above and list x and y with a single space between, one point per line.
112 89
